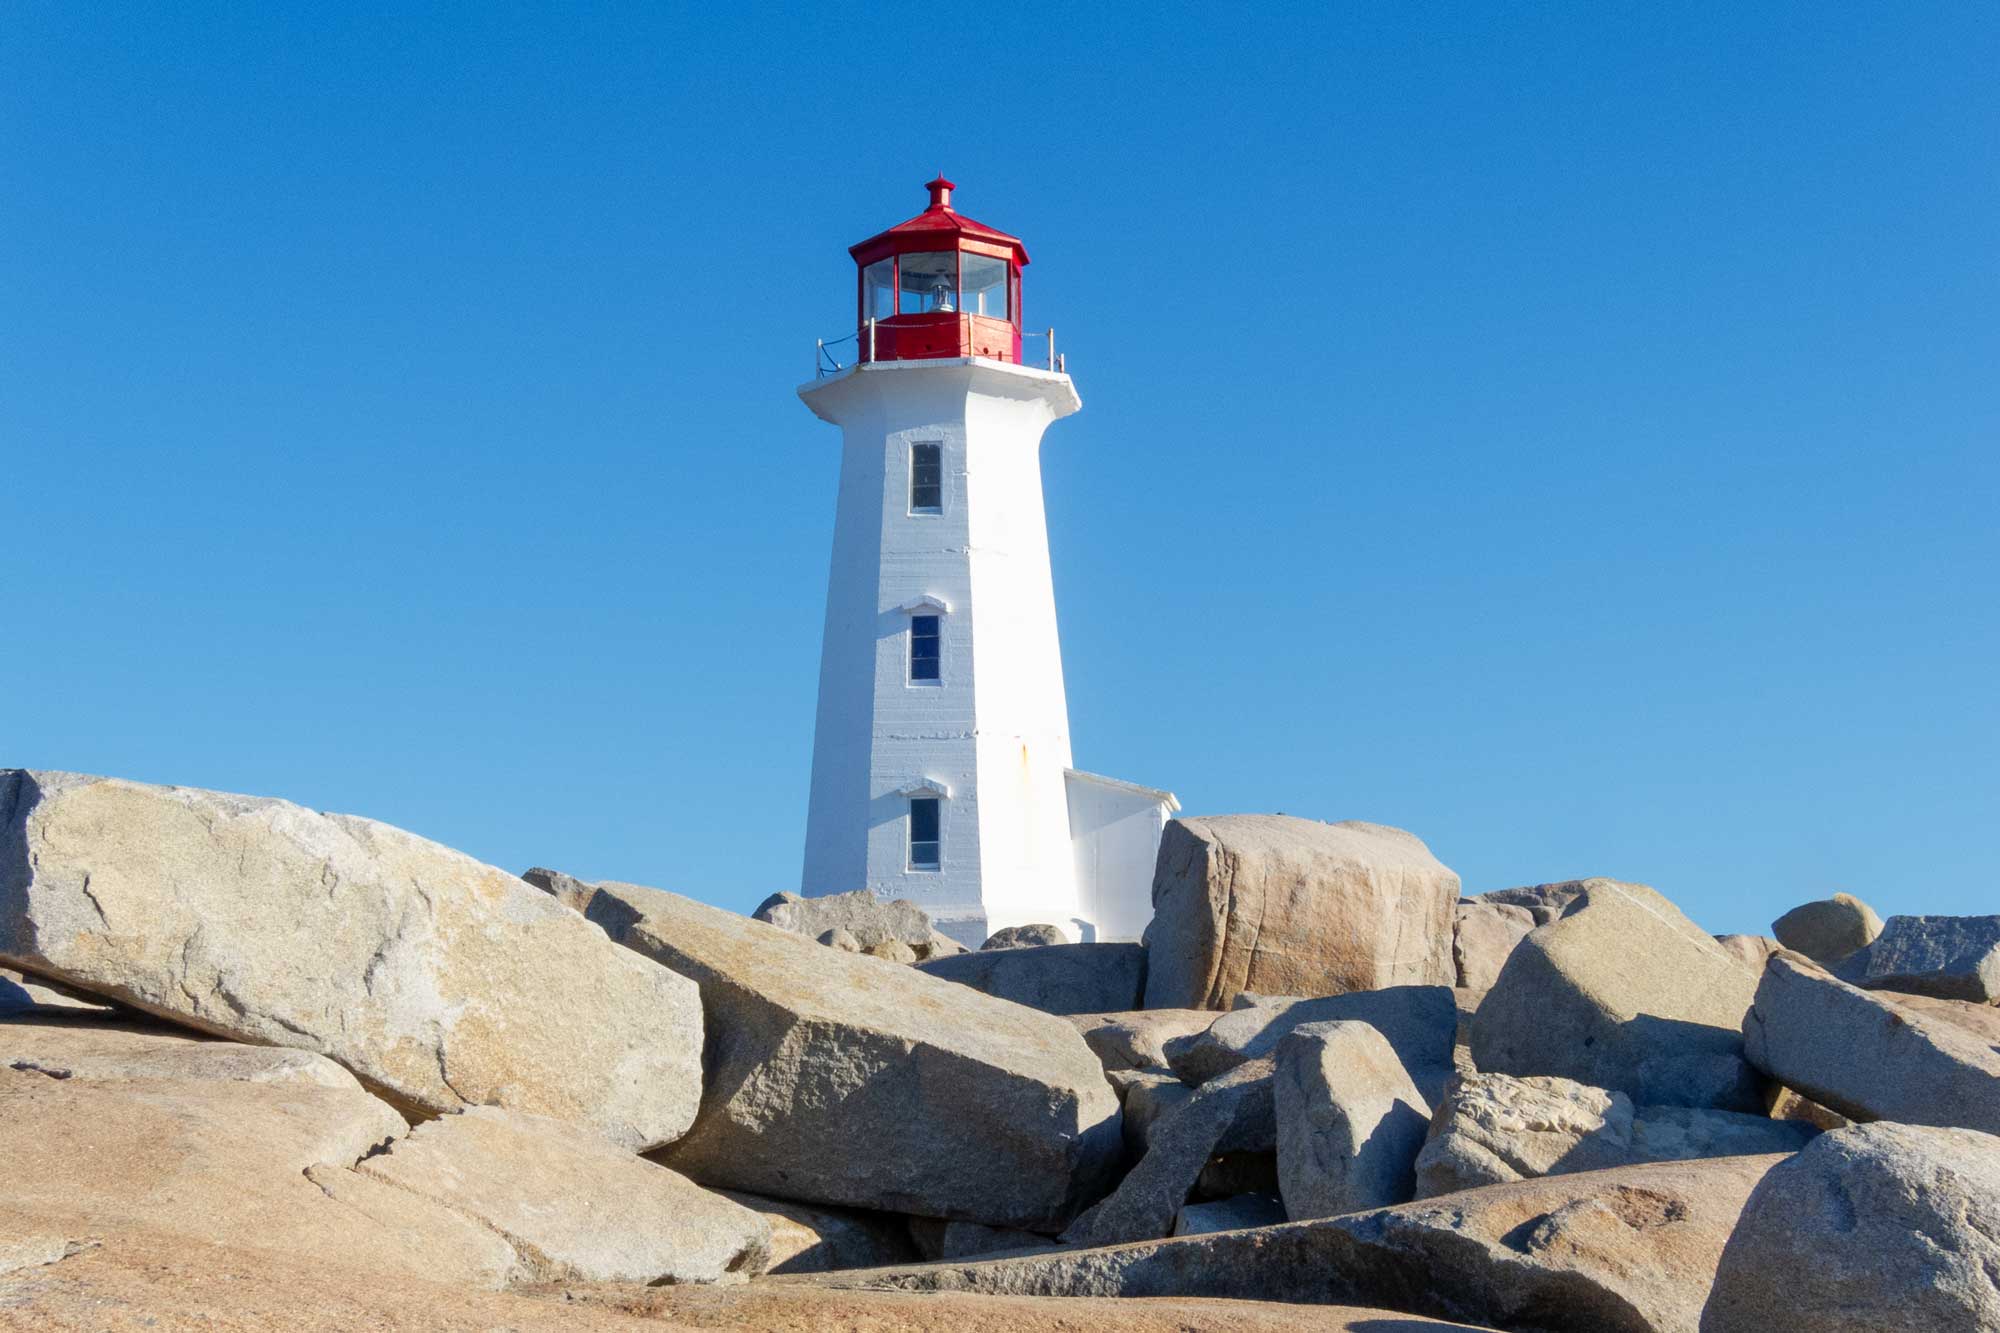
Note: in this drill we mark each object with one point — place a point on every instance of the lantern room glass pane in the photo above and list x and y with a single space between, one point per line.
984 286
929 282
878 289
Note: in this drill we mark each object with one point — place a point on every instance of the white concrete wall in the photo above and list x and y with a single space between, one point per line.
995 731
1115 832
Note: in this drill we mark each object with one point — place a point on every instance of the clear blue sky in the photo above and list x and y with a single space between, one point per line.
1570 432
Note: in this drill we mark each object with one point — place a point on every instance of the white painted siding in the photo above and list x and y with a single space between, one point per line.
1115 832
995 730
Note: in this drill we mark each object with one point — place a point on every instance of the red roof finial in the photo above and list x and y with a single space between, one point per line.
940 189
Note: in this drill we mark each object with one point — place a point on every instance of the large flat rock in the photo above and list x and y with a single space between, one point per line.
836 1078
573 1206
1632 1250
1054 978
146 1282
82 1047
1870 1057
264 1166
439 981
1624 992
1284 906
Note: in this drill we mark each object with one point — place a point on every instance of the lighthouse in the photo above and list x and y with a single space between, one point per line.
941 767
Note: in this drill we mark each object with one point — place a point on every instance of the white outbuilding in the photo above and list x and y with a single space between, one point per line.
941 757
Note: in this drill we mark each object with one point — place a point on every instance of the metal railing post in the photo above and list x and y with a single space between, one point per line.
871 338
1052 349
819 356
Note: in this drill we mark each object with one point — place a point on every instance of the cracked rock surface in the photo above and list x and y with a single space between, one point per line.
439 981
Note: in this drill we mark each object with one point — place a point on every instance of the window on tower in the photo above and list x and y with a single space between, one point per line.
984 286
924 649
878 290
929 283
924 843
926 479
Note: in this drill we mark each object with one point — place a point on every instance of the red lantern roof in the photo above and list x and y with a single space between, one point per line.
939 227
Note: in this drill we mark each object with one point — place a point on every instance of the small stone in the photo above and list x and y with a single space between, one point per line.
892 951
1830 930
1021 937
1136 1039
1231 1214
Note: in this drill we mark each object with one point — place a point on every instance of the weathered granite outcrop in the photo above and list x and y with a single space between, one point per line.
1828 931
1492 1128
1483 936
1419 1022
833 1078
1950 957
1349 1121
1137 1039
573 1206
1632 1250
1622 991
222 1161
808 1238
1231 1113
437 980
870 921
1023 937
1289 906
1870 1057
67 1045
1872 1228
1054 978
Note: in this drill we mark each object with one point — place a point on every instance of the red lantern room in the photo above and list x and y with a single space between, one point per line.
940 285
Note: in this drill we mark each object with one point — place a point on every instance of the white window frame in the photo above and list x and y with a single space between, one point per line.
923 789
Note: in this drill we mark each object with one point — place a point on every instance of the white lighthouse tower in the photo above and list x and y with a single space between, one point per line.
941 760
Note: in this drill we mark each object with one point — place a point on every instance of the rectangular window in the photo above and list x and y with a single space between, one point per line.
984 286
878 289
928 283
924 844
926 479
924 654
